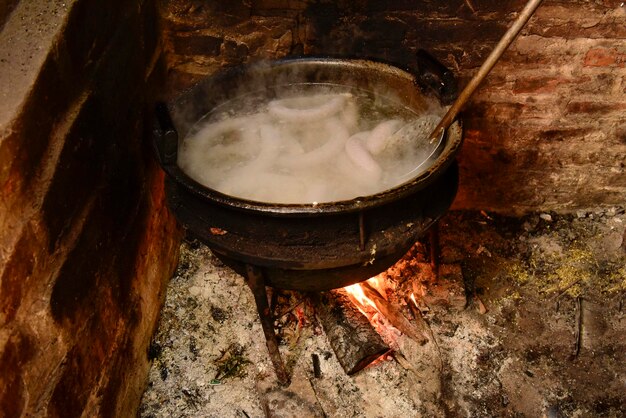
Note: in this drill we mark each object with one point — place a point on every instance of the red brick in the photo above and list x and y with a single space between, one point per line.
605 57
287 8
561 134
503 112
544 84
447 30
185 15
595 108
16 353
194 43
86 361
17 272
569 20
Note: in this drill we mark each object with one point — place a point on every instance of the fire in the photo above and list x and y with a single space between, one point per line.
377 310
357 295
362 302
380 284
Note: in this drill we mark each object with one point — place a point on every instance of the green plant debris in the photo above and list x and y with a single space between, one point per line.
519 274
570 272
573 270
617 281
231 363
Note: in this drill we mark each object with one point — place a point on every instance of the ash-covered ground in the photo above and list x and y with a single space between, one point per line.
527 319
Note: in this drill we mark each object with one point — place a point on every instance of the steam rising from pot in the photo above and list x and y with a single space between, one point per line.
306 143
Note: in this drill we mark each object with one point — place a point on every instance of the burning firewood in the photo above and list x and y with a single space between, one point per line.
416 349
394 316
352 337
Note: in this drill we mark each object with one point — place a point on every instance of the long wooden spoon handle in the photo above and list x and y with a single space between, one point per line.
491 60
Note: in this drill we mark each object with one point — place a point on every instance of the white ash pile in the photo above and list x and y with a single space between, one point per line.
210 357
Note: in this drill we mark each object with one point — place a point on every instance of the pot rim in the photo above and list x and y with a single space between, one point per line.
439 165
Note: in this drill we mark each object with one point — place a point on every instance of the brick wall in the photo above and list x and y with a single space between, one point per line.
545 132
86 243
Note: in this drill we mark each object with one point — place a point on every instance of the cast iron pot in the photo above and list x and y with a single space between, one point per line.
305 246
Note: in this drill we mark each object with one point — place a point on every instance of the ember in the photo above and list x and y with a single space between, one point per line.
369 294
362 302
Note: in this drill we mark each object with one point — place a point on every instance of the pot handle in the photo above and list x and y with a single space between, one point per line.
435 76
166 137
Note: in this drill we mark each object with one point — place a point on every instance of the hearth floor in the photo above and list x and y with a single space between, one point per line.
543 333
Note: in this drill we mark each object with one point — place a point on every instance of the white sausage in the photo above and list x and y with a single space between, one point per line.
280 110
350 115
361 157
377 140
321 154
205 146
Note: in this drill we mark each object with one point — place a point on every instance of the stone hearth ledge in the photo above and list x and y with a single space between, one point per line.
86 242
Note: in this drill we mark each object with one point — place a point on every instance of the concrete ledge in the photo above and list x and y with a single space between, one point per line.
87 244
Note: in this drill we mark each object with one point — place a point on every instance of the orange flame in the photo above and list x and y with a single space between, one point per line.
358 296
380 284
362 302
368 308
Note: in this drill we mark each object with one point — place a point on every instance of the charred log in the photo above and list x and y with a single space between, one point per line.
352 337
417 331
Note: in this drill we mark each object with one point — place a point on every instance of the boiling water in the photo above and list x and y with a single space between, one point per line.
308 143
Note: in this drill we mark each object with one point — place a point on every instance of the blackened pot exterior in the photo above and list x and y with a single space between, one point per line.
315 252
307 246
